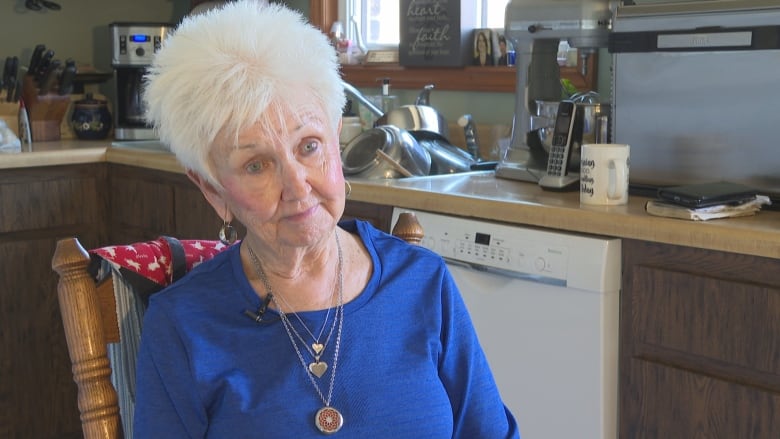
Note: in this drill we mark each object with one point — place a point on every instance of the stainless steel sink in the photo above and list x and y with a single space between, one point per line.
442 183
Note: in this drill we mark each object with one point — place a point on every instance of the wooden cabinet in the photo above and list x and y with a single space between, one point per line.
101 204
699 329
699 343
37 207
147 203
379 216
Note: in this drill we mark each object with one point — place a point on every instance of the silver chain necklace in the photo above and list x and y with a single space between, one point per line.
328 420
318 367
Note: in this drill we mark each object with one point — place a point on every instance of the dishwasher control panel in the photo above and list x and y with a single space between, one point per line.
564 257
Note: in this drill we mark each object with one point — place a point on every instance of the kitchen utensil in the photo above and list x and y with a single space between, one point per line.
359 158
43 65
10 72
428 128
418 117
424 98
36 58
470 134
49 78
67 78
604 174
397 166
445 157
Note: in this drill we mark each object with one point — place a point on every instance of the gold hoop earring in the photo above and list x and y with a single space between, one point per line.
349 188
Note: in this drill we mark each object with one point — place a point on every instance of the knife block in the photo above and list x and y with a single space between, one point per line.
45 111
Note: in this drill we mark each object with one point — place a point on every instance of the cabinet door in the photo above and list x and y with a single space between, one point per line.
141 204
700 344
148 203
37 207
378 215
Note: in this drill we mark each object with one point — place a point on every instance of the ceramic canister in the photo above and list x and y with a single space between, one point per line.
91 119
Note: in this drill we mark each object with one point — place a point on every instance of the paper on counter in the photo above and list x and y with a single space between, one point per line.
660 208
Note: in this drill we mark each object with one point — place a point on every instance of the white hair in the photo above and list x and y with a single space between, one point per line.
235 66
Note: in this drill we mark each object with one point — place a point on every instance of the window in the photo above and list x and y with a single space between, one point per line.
378 20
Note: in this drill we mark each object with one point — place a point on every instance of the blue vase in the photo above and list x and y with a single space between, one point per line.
91 119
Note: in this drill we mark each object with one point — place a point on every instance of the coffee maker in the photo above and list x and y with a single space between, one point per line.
536 28
133 48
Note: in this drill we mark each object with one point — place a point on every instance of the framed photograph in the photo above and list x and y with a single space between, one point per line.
505 55
485 45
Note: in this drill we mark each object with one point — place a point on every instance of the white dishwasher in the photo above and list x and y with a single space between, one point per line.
545 307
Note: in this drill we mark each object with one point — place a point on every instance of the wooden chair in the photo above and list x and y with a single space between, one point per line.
89 317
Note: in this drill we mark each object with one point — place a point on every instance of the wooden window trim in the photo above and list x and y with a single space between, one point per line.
323 13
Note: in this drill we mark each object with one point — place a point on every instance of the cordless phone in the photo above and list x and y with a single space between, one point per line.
564 135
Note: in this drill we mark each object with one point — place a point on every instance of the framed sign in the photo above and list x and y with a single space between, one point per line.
436 32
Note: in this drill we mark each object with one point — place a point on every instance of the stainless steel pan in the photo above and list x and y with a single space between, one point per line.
385 152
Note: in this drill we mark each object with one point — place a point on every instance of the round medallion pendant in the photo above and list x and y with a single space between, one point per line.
328 420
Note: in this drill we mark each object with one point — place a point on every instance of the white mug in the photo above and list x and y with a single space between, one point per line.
604 174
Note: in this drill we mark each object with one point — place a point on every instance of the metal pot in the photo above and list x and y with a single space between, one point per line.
420 117
417 118
385 152
426 125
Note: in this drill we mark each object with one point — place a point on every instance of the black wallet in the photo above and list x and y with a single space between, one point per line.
707 194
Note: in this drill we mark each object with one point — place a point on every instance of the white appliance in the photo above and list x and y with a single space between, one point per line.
545 307
689 92
536 28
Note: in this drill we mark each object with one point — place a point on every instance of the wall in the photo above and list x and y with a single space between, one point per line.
80 29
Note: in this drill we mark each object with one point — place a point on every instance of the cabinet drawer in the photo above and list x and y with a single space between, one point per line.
724 320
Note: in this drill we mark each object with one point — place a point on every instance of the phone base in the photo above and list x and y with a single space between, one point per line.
559 182
519 172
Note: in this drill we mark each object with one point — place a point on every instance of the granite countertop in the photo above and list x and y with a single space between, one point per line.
477 195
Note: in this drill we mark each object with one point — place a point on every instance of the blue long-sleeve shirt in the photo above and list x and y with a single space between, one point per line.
409 366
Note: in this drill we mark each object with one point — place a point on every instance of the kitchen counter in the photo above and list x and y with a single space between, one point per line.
478 195
481 195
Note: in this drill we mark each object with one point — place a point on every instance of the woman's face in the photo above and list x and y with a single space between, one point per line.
286 187
481 43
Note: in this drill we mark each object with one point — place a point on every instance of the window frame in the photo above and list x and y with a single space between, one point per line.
322 13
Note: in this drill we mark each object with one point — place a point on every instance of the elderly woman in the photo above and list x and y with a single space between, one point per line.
306 326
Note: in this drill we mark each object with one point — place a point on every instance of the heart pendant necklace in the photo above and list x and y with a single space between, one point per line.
317 367
328 420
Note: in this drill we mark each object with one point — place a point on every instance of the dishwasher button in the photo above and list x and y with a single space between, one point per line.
540 264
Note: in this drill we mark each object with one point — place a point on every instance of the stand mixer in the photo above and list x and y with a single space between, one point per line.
536 28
